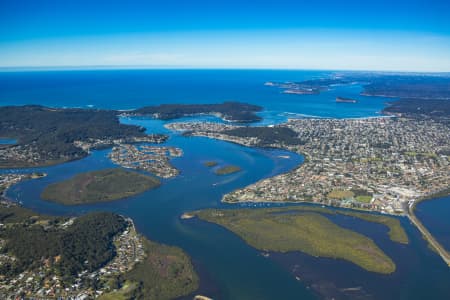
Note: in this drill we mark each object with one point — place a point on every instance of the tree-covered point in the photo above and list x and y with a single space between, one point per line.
267 135
51 131
433 108
99 186
408 86
87 244
166 273
14 214
65 247
232 111
423 86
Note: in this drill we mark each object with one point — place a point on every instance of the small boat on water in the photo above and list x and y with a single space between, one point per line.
345 100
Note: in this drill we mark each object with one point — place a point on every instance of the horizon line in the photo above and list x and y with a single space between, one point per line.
164 67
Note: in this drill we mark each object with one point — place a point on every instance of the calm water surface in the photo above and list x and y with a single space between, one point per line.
435 215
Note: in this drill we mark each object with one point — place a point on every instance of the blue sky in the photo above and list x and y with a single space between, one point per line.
357 35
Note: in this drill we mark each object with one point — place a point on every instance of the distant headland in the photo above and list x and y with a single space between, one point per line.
229 111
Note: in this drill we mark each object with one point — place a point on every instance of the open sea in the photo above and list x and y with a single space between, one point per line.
228 268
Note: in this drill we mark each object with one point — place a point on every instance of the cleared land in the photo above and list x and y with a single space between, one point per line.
340 194
227 170
364 199
285 230
99 186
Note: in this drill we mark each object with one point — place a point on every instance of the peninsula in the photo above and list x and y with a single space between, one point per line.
99 186
152 159
229 111
436 109
7 180
47 136
97 254
374 84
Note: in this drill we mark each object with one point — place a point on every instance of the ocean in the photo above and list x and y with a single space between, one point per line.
128 89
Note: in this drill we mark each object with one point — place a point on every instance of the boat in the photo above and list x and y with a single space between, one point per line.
345 100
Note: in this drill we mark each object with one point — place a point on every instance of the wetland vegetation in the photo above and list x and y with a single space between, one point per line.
99 186
308 231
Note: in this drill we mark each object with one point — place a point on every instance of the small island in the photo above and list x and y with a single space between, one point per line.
287 229
99 186
210 164
227 170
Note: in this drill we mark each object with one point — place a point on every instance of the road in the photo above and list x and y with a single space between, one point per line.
428 236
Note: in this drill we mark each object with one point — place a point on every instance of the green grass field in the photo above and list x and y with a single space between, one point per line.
340 194
99 186
289 229
363 199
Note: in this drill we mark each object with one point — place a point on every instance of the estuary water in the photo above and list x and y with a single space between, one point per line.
4 141
435 215
229 269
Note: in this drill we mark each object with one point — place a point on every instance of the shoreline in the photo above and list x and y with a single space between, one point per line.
408 213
